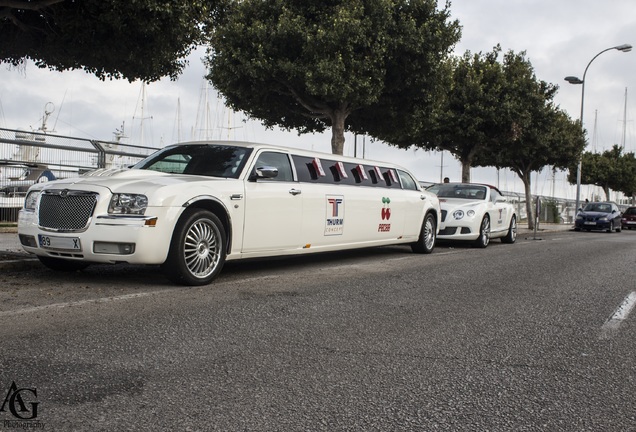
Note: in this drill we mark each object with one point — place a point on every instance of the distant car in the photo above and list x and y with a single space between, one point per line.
628 221
17 178
475 212
598 216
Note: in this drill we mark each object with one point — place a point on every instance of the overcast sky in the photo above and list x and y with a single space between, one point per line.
560 37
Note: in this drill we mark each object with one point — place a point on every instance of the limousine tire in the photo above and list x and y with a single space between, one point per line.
197 250
426 243
59 264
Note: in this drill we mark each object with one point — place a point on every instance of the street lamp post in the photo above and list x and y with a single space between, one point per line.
576 80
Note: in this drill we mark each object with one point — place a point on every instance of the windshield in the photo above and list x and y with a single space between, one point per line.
198 159
461 191
598 207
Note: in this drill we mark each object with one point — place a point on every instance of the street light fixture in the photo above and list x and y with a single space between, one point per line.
577 80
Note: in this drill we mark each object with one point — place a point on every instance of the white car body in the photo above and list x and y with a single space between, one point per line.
262 201
475 212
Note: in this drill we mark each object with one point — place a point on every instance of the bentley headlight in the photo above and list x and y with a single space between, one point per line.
31 200
124 203
470 213
458 214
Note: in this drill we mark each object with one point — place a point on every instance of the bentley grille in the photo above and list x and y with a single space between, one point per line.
66 210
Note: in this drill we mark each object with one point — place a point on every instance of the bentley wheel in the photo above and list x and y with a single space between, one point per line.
511 237
484 233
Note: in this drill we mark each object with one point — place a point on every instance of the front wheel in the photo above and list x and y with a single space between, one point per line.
512 231
611 227
484 233
197 250
426 242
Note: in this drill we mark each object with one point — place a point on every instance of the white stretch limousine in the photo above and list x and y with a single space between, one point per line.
192 206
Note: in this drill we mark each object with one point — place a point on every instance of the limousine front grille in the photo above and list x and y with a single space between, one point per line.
66 210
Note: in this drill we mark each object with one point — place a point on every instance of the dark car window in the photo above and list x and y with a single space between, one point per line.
198 159
598 207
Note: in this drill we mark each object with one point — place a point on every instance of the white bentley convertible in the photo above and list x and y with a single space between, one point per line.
475 212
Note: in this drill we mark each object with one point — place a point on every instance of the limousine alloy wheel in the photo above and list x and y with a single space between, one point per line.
197 251
426 242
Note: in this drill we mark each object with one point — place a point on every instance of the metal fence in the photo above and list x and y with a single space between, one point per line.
28 157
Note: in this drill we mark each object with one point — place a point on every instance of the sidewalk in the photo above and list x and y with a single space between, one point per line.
13 257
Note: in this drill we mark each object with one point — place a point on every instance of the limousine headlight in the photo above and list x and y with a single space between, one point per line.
124 203
31 200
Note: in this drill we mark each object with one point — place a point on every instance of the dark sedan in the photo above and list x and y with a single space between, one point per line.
599 216
629 218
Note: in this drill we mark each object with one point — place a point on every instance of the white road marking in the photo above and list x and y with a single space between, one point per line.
75 303
620 315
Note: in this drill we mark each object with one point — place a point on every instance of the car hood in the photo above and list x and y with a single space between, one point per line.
127 180
455 203
595 215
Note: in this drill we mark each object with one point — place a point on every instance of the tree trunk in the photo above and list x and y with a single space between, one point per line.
606 189
525 178
465 171
337 131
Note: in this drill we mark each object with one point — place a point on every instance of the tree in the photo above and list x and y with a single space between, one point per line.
309 65
536 133
142 39
609 170
469 117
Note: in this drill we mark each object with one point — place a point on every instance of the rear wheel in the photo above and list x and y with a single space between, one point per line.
511 237
198 248
59 264
426 243
484 233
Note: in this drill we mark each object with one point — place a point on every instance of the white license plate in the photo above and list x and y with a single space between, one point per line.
630 222
589 223
64 243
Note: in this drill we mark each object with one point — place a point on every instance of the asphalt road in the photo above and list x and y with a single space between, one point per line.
512 337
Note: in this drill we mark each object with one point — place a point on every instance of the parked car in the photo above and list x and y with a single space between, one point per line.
17 178
604 216
475 212
628 220
192 206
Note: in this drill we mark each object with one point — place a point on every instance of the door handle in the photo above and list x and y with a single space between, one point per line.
294 191
236 196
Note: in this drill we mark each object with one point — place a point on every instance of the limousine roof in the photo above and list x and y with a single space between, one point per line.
297 151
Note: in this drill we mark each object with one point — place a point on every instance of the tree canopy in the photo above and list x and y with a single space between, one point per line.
534 132
141 39
610 170
346 64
